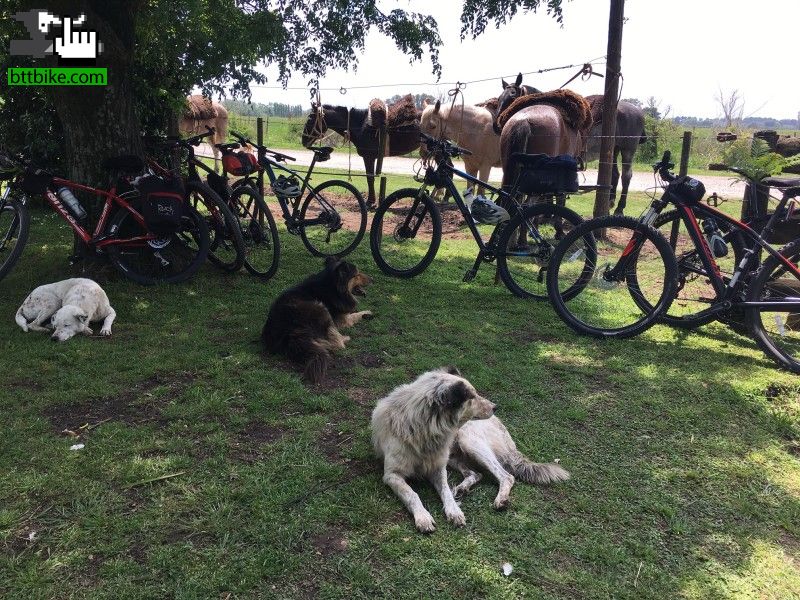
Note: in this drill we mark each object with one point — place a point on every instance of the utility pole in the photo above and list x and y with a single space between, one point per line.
610 97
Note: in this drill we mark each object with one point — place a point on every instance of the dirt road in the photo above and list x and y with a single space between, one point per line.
727 187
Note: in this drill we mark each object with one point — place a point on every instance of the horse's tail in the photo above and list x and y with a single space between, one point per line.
517 141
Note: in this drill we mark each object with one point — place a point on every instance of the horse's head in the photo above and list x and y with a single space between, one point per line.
432 121
511 91
315 126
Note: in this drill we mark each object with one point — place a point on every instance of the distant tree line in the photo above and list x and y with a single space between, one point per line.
258 109
747 122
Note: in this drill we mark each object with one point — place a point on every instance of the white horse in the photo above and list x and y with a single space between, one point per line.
201 112
471 128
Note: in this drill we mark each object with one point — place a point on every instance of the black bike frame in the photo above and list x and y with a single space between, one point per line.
725 290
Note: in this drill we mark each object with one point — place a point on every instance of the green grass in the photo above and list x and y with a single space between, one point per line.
683 449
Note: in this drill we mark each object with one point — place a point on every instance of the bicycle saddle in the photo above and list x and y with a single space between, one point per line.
781 182
323 152
128 163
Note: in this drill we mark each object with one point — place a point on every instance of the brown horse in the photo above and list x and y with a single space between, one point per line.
363 126
549 123
201 112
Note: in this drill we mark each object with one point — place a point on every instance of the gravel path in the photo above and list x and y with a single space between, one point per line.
727 187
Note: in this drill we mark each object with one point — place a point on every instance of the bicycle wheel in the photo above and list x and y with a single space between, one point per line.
631 266
168 260
526 245
333 219
406 233
15 222
776 331
261 242
695 292
227 245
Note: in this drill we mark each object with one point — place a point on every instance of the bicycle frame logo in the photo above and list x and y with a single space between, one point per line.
72 46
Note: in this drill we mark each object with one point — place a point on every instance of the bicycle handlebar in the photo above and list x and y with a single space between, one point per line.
445 146
277 155
663 167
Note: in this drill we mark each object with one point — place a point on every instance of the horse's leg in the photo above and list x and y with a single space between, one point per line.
369 167
627 173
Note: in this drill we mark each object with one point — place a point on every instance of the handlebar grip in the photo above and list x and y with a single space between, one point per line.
667 157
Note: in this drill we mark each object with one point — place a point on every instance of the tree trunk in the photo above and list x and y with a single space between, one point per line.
100 122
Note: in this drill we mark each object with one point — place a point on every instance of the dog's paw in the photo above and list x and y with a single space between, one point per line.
88 331
456 517
367 314
424 522
501 502
459 492
105 332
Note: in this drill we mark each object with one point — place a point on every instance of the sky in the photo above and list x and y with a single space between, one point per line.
681 52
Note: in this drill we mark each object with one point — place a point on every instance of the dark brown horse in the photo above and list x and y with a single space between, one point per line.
511 91
363 129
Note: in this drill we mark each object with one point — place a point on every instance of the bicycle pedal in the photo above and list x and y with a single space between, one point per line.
469 275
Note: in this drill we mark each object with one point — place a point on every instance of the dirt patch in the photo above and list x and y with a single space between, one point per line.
133 406
332 442
369 361
329 543
526 336
249 444
29 385
781 392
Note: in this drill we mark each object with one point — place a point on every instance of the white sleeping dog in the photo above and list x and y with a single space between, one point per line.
66 307
439 419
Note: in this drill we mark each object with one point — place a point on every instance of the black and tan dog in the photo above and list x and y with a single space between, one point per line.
303 321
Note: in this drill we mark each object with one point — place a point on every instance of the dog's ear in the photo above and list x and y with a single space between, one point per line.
452 370
82 317
454 395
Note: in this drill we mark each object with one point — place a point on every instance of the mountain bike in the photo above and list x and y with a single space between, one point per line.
121 231
333 217
227 250
407 227
260 234
634 273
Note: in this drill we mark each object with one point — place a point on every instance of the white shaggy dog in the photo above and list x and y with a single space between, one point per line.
422 425
66 307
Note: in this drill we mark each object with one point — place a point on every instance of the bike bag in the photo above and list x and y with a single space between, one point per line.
685 190
163 203
543 174
36 181
239 163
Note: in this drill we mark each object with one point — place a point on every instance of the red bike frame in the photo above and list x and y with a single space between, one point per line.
111 198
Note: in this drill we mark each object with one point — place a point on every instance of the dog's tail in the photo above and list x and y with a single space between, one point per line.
21 320
531 472
317 366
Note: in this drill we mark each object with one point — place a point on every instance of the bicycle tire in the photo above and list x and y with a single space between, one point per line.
18 229
259 232
339 223
768 283
131 261
690 301
608 250
402 233
542 251
227 245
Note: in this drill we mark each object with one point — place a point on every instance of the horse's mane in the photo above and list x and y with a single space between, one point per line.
199 108
403 112
492 104
574 108
596 106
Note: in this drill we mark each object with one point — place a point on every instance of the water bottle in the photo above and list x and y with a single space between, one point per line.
72 203
718 246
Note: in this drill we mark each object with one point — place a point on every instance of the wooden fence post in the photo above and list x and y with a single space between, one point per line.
379 164
685 151
260 142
